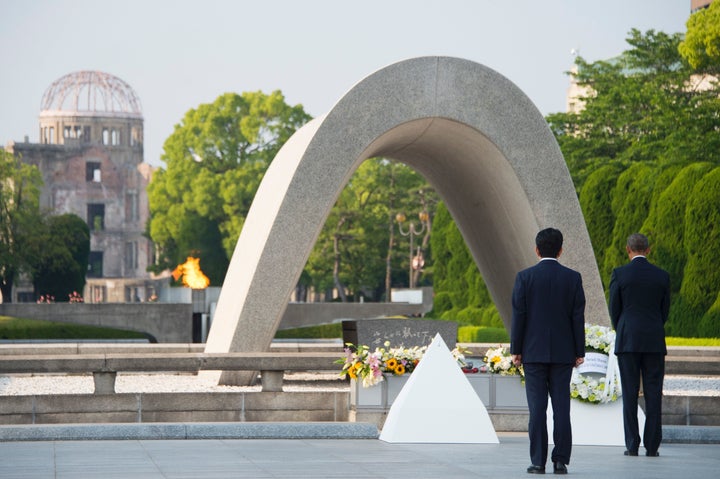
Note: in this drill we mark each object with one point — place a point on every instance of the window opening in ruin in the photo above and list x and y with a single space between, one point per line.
114 137
51 138
132 211
131 256
26 297
135 137
96 216
132 294
105 136
92 172
98 293
95 269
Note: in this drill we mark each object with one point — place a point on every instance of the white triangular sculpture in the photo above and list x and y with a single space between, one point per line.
438 404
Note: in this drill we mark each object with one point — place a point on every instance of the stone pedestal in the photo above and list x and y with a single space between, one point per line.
503 397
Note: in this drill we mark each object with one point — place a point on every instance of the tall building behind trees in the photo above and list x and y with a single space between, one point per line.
90 155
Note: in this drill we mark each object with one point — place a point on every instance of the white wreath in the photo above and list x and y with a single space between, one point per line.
598 390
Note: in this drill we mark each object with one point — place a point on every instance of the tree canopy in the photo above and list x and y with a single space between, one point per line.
60 256
701 46
215 159
20 186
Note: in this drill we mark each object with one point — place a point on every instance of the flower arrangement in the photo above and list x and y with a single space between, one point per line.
46 298
596 389
361 363
599 339
75 297
592 389
499 361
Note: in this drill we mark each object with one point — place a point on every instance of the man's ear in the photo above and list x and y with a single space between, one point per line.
559 252
537 252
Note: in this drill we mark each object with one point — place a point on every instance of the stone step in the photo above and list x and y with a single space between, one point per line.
222 430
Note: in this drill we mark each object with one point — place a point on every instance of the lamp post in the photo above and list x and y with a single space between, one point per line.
417 262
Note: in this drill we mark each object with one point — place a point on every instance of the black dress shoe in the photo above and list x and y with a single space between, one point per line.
559 468
630 453
652 454
536 469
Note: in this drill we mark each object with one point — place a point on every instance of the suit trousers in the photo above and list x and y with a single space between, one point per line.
541 380
651 367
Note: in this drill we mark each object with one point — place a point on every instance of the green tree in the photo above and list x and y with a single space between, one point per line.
61 257
665 226
701 47
358 248
701 278
640 107
596 201
215 159
20 186
709 326
630 206
460 291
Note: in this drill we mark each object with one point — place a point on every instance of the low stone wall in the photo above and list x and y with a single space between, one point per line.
165 322
690 410
175 407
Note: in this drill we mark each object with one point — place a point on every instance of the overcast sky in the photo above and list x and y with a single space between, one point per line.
177 54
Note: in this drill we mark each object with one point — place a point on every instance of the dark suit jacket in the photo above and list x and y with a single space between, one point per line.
639 307
548 323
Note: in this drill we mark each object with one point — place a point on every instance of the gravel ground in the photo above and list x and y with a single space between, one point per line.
20 385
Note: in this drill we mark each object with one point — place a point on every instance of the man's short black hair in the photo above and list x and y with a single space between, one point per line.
638 243
549 242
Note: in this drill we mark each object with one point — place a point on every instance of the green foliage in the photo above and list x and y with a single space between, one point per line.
322 331
630 204
460 292
701 282
482 334
61 257
639 108
19 328
665 225
671 341
701 47
640 152
684 318
709 326
20 218
359 248
215 158
595 201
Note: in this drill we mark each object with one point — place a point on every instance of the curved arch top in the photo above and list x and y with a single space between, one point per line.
468 130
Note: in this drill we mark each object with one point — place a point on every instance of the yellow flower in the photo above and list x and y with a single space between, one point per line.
399 369
391 364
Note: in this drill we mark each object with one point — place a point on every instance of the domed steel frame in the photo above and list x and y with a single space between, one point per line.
91 93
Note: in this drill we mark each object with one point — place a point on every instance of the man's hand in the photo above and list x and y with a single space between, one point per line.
579 361
517 359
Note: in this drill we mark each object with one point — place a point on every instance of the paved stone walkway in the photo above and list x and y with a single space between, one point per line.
332 458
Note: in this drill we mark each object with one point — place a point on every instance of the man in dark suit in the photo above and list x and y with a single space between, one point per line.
548 339
639 306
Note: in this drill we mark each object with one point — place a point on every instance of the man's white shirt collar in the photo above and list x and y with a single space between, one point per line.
548 259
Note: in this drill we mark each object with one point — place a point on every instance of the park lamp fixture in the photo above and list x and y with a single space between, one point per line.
416 262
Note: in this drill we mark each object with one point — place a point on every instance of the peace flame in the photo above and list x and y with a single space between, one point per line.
192 276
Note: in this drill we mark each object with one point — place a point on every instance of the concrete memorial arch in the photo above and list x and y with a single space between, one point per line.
468 130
